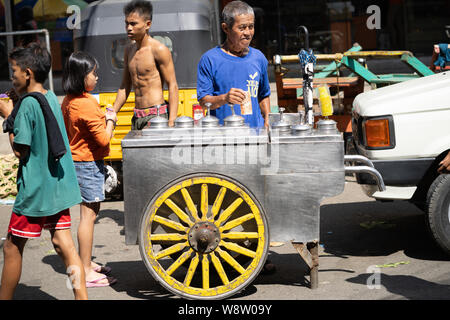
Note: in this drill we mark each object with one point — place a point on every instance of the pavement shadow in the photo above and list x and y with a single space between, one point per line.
55 262
410 287
116 215
25 292
134 279
291 270
350 229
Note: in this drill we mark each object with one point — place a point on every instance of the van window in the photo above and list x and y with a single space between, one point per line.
166 41
118 49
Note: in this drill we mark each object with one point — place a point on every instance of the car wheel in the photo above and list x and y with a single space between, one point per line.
438 211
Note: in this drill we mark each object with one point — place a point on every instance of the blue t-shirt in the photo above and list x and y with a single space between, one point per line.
218 72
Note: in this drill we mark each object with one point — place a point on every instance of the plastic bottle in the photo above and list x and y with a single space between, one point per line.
325 104
197 111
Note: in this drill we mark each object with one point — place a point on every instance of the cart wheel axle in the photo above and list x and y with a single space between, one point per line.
204 237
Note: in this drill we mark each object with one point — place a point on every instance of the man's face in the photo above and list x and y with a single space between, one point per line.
241 34
137 26
19 77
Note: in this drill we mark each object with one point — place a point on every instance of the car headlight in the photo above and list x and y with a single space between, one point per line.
378 132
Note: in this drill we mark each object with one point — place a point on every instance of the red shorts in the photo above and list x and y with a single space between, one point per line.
31 227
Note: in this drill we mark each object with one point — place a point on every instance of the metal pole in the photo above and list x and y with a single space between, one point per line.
8 28
280 49
50 73
218 21
47 44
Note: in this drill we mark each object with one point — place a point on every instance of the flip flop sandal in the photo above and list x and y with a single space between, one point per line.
102 269
95 283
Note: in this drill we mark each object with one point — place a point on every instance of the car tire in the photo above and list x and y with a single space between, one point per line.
438 211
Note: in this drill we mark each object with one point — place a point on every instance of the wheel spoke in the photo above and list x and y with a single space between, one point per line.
179 261
204 201
191 270
218 202
160 237
175 248
229 211
240 235
218 265
205 271
190 204
236 222
237 248
180 213
230 260
170 223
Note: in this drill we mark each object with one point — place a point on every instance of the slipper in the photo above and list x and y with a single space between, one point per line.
95 283
102 269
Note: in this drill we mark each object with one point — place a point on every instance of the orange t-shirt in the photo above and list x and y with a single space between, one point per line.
86 127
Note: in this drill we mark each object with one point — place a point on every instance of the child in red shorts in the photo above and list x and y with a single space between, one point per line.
46 181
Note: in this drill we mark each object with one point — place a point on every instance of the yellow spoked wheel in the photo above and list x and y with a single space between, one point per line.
204 236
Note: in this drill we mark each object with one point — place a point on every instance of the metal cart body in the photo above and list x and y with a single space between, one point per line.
204 203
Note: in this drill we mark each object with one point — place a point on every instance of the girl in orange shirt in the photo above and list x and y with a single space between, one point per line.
89 131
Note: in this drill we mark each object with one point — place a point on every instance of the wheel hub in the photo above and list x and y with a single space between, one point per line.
204 237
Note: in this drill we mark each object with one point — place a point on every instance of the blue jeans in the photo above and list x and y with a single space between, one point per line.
91 179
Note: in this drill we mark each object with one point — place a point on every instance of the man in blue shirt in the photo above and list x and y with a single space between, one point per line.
235 74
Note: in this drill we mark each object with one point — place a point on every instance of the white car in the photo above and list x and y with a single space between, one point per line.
404 129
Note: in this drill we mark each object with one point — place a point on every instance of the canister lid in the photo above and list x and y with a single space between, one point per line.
158 122
326 125
234 121
281 125
184 122
300 129
209 121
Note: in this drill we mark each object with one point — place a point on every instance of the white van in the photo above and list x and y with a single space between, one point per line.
404 129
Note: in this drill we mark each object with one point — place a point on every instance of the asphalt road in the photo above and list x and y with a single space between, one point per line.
357 234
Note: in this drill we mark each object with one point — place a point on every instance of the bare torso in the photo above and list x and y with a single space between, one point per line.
145 75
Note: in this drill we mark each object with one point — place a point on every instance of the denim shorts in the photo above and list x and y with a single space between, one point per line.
91 179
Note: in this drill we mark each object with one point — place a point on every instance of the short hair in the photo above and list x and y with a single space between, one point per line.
143 8
34 57
77 67
233 9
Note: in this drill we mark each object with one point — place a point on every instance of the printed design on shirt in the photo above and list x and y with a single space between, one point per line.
252 85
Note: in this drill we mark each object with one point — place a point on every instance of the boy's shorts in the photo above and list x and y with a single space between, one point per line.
91 179
31 227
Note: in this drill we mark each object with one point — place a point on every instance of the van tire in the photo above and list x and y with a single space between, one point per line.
438 211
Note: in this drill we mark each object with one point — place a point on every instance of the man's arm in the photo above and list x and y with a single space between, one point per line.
125 86
264 104
164 59
444 165
234 96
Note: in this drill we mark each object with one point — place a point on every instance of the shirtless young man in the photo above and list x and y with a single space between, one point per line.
148 64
